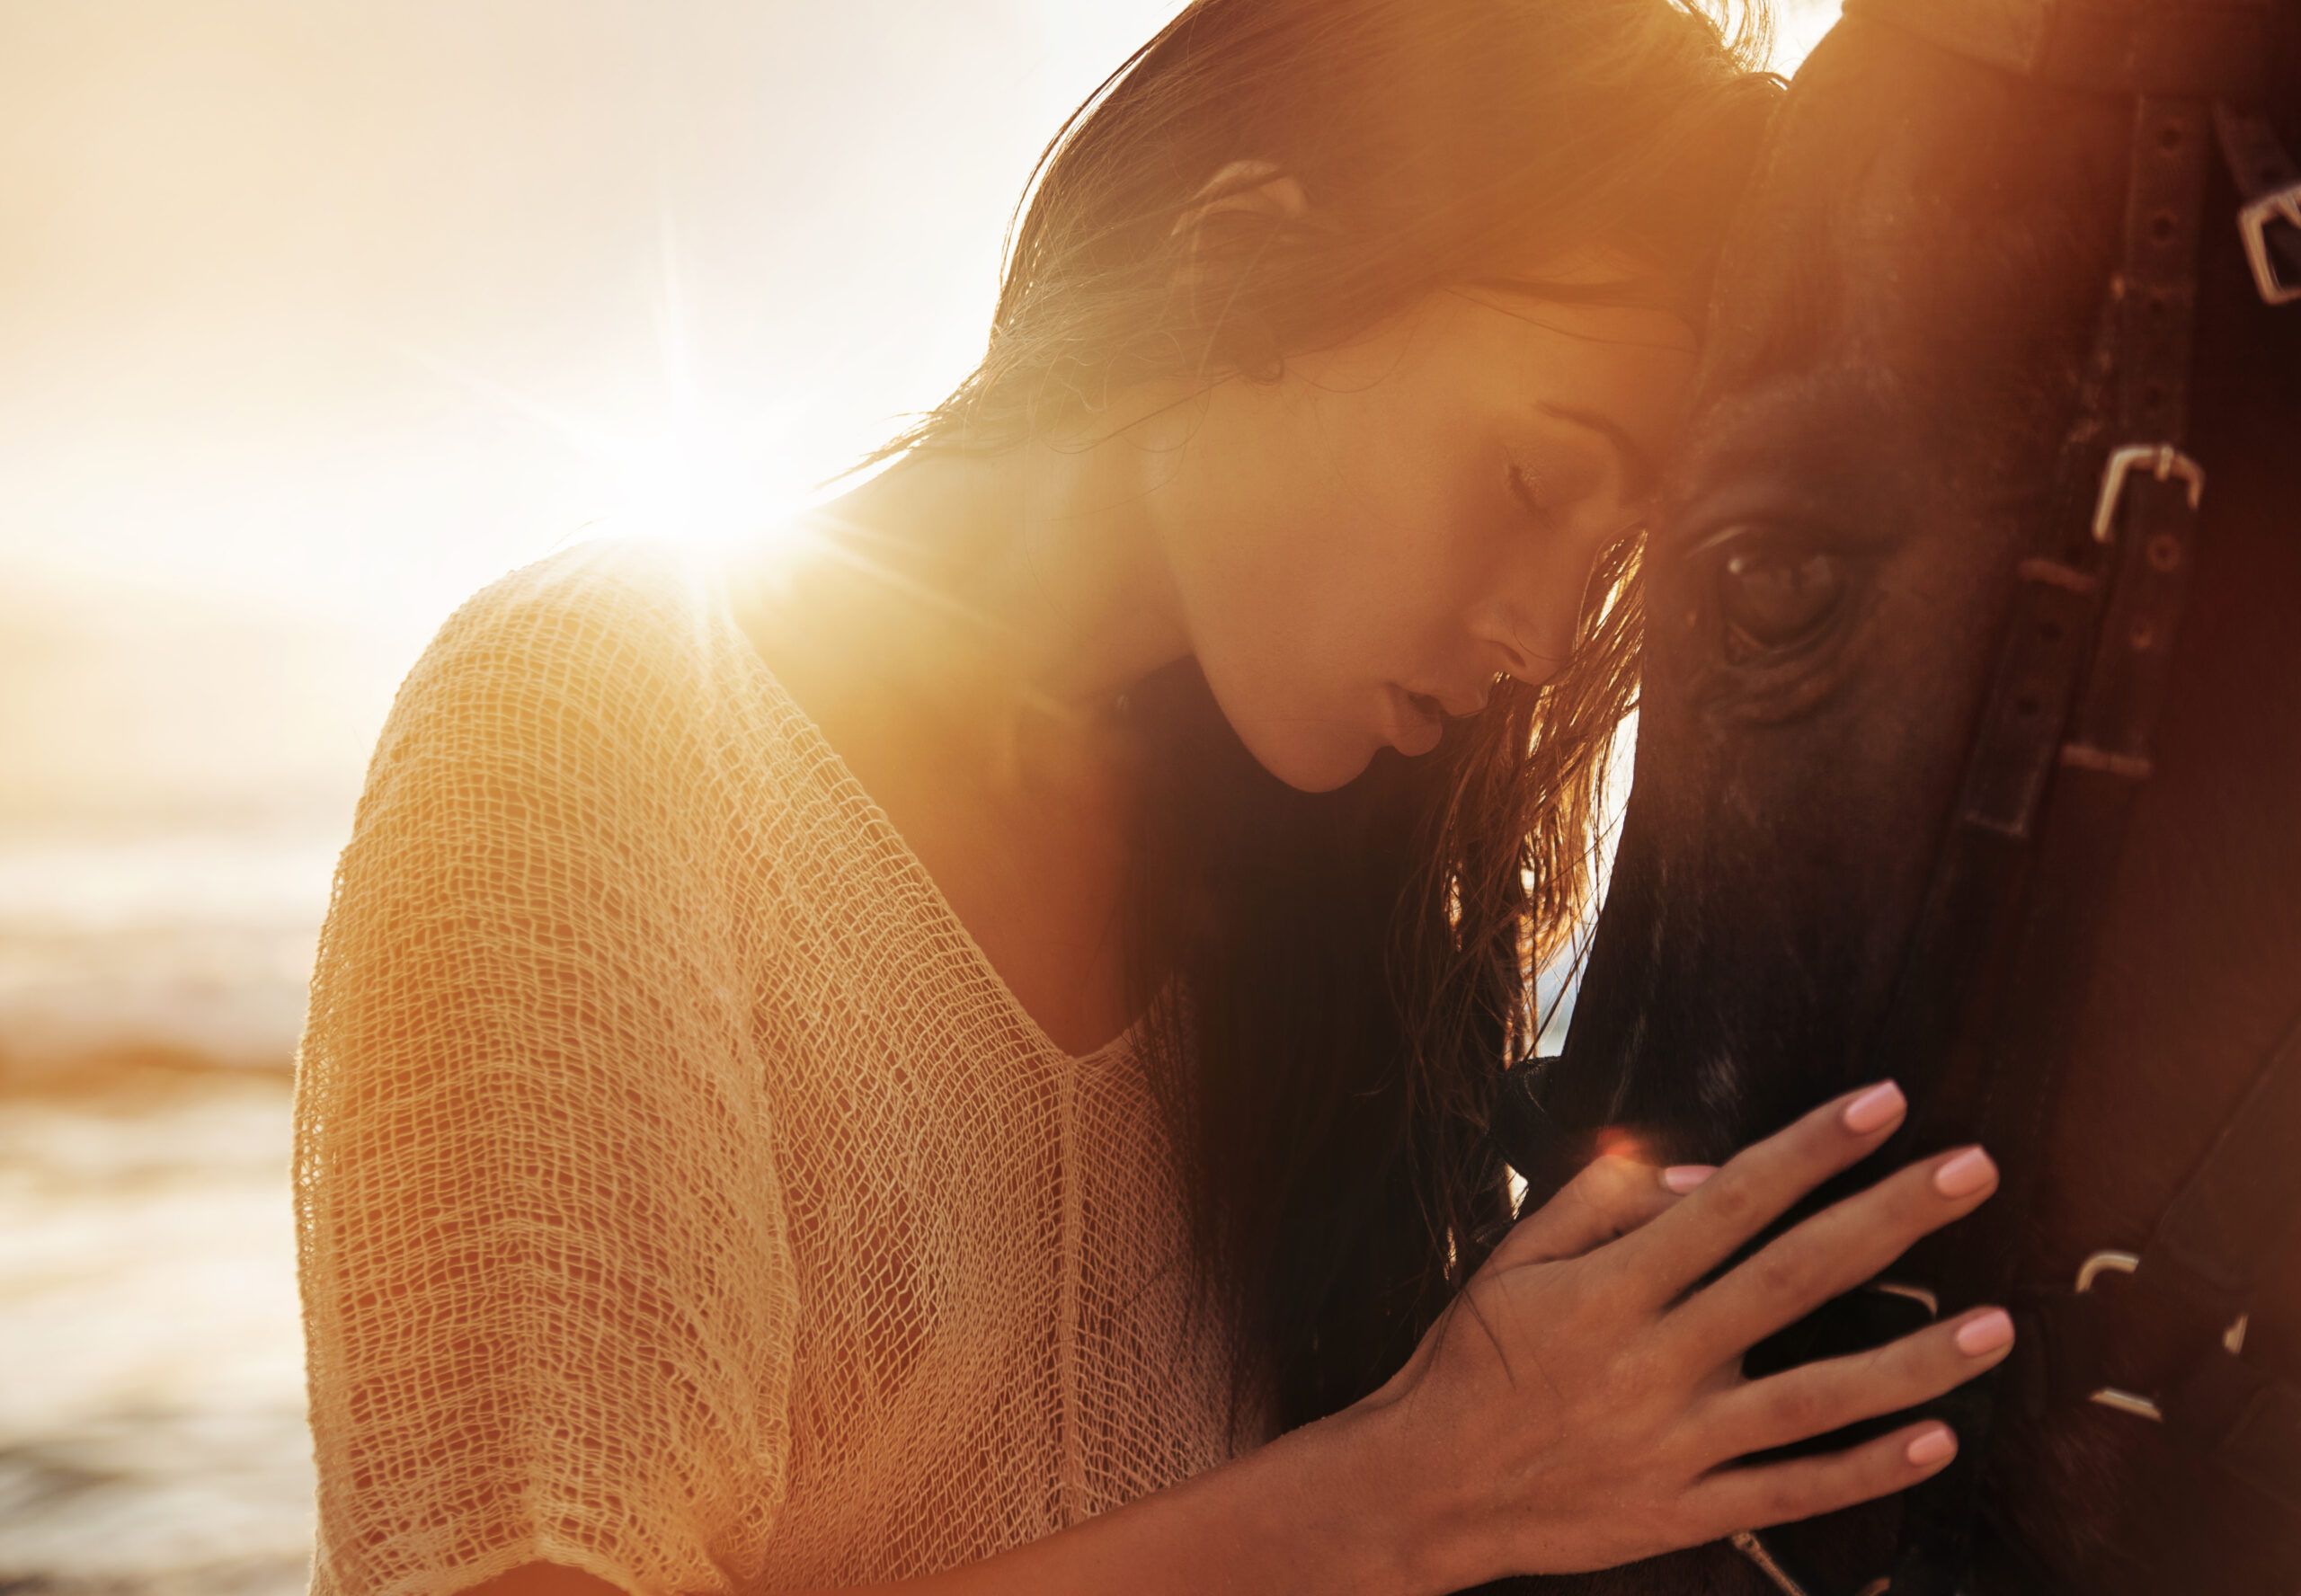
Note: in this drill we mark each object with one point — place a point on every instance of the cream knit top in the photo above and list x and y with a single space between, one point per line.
682 1196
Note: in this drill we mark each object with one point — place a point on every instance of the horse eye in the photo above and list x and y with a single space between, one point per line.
1774 596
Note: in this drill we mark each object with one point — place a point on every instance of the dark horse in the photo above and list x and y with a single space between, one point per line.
1883 520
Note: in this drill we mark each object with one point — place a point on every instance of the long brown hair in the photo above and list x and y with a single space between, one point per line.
1338 979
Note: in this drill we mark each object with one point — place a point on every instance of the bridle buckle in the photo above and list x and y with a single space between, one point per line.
2253 220
2165 463
2124 1402
2233 1339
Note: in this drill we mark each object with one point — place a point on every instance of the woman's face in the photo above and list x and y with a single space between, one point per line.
1360 547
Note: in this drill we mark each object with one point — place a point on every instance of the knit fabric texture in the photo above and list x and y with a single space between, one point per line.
682 1196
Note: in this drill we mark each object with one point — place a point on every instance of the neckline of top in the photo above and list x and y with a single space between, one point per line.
825 757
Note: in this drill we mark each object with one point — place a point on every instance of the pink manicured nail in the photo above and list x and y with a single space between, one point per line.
1876 1108
1682 1178
1965 1174
1984 1333
1932 1447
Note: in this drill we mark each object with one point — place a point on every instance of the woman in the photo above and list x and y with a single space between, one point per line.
958 1063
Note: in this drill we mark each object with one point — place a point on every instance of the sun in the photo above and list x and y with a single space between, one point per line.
705 479
683 465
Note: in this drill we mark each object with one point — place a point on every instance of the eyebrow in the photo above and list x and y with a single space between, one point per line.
1639 471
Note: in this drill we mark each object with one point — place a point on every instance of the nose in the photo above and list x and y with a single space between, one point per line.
1530 641
1530 616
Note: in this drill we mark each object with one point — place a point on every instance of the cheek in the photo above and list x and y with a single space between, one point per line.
1299 551
1422 559
1286 649
1374 591
1405 540
1337 549
1306 678
1313 764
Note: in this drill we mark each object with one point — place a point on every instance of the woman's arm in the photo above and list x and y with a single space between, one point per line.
549 1294
1291 1516
1581 1405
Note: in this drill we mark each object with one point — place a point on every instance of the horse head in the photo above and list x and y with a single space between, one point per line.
1899 433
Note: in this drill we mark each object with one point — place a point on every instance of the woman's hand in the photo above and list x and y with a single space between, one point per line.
1578 1407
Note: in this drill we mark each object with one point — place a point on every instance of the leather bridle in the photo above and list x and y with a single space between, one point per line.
1984 1005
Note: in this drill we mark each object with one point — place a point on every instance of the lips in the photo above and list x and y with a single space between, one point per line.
1461 706
1456 704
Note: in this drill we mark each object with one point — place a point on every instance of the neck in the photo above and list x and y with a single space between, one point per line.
996 605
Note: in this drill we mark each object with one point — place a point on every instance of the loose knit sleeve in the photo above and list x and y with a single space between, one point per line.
548 1293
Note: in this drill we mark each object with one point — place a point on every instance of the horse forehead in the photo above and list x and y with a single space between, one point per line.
1912 208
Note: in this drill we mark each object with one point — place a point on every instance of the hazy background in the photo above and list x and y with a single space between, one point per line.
315 316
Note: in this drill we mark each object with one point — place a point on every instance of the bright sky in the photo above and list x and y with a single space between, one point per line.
360 304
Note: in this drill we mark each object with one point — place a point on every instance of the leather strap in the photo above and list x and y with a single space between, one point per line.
2091 798
2257 160
2206 51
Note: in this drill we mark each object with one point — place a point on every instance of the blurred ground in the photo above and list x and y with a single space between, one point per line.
176 772
152 1416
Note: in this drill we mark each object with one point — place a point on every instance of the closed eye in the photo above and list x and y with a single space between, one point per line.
1529 496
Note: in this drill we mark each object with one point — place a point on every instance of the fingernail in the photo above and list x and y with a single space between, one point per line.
1965 1174
1682 1178
1984 1333
1932 1447
1876 1108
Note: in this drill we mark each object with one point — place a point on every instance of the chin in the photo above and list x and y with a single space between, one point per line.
1304 739
1311 764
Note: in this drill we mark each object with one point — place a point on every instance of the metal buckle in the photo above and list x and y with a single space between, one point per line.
2233 1339
2252 226
1920 1295
2125 1402
2164 462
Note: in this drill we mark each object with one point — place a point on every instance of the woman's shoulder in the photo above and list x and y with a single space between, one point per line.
611 666
614 625
627 598
617 663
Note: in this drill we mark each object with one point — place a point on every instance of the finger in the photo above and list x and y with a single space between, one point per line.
1612 1197
1757 1187
1753 1498
1820 1398
1831 1253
